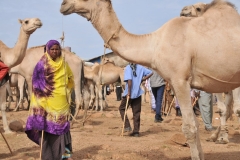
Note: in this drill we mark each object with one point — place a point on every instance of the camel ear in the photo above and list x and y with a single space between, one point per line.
20 21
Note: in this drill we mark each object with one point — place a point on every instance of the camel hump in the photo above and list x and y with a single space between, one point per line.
214 3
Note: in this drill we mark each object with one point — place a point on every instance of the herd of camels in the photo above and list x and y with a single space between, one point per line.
181 51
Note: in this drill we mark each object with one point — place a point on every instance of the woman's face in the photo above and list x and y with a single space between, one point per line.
54 52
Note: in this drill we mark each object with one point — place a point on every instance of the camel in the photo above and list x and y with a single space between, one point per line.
34 54
232 98
193 41
13 83
118 61
13 56
103 74
18 81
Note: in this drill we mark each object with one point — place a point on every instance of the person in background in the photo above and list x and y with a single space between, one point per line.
177 106
152 98
118 90
206 108
134 74
157 84
48 119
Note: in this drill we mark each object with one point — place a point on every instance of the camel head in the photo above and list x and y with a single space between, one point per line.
195 10
29 25
107 60
85 8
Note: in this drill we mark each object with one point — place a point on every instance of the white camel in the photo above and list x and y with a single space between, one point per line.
231 97
18 81
194 42
101 75
14 56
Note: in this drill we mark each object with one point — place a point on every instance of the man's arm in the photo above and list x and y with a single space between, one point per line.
146 77
129 87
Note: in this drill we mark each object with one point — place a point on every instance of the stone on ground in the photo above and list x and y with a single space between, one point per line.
16 125
179 139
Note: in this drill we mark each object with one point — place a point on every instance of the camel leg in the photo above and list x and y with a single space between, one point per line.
18 100
29 85
3 109
105 97
100 95
224 114
92 93
87 98
149 95
9 91
236 103
25 94
78 98
144 94
21 81
190 124
97 97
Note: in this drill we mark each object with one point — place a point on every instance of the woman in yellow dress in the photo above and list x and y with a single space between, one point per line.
49 109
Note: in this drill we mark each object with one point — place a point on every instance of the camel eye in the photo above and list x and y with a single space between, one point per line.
26 22
199 9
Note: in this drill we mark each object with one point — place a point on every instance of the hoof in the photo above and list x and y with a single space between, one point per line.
222 140
214 136
8 132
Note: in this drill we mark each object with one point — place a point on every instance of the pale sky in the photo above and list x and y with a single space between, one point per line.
137 17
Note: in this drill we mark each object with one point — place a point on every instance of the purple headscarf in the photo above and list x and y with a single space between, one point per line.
50 44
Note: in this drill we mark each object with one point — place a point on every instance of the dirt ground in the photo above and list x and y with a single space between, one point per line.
99 138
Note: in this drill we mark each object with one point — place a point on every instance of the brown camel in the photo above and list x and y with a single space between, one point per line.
34 54
232 98
14 56
181 51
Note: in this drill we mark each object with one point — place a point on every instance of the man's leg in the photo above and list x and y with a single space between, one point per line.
154 92
206 109
159 98
118 92
122 111
136 109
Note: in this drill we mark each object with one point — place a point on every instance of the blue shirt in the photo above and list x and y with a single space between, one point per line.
136 90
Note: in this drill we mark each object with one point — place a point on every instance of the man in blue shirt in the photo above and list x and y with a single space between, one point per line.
134 74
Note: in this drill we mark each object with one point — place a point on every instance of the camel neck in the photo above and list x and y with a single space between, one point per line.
19 50
128 46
